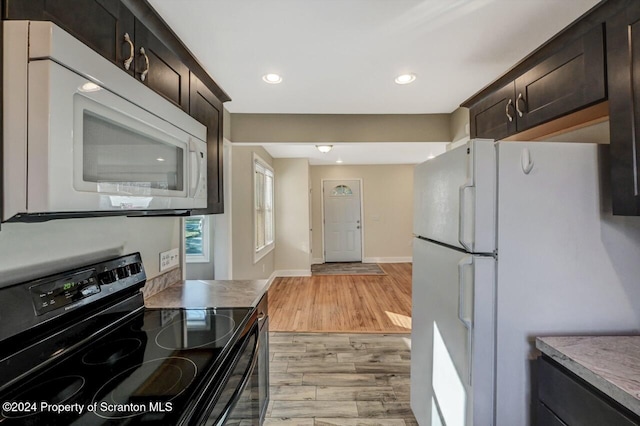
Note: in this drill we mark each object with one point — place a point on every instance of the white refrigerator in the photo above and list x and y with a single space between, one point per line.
512 240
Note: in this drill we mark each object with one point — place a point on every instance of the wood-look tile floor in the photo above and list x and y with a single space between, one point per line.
339 379
344 304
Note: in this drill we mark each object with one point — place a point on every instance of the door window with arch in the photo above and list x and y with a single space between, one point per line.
341 190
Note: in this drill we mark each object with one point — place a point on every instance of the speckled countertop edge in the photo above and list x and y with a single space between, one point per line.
202 294
609 363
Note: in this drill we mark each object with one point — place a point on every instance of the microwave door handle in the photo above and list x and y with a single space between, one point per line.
195 186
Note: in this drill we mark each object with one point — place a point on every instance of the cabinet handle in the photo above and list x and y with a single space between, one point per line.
143 76
261 316
520 98
506 110
127 62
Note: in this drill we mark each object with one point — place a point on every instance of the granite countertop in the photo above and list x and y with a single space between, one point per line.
609 363
209 294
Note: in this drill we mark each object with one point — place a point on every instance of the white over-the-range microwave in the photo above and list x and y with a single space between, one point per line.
83 138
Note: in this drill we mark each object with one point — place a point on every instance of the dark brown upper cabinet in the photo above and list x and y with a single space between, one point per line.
623 69
570 79
207 109
133 36
494 117
100 24
112 30
159 68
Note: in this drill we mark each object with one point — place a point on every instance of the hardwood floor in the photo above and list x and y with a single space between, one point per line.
339 379
346 303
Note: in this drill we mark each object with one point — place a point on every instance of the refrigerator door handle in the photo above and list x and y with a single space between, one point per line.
467 261
462 209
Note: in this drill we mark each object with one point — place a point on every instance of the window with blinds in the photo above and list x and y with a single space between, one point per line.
263 214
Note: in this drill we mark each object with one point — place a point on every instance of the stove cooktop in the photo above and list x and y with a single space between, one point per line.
149 370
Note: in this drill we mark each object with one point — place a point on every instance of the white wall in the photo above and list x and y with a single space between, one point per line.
292 216
388 209
31 250
242 215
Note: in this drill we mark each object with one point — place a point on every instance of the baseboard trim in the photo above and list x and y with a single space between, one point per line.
293 273
407 259
270 280
317 261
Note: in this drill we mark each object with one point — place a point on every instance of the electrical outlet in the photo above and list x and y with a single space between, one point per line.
169 259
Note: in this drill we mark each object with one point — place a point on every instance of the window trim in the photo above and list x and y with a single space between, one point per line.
259 253
206 241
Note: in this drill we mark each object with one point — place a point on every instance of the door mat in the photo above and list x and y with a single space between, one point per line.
347 268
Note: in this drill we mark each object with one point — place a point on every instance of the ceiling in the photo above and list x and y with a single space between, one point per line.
341 56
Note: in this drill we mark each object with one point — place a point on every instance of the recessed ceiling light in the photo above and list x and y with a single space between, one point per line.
339 161
405 78
272 78
324 148
160 159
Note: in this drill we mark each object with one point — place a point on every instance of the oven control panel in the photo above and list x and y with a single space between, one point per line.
65 290
62 292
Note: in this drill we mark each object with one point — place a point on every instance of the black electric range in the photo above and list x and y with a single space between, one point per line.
80 348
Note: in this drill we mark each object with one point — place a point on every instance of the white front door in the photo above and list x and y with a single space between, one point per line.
342 221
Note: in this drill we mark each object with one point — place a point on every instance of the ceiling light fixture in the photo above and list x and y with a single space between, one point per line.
324 148
405 78
272 78
339 161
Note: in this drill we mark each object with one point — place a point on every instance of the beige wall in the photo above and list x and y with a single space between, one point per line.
459 124
340 128
388 208
242 230
31 250
292 216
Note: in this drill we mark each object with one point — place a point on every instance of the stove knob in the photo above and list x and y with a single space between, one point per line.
107 277
122 272
134 268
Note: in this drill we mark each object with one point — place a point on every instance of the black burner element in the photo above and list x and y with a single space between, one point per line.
54 391
202 329
159 380
111 352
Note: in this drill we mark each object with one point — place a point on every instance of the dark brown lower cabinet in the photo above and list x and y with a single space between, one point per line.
623 72
207 109
547 418
565 399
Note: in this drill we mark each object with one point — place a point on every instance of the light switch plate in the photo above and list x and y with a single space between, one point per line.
169 259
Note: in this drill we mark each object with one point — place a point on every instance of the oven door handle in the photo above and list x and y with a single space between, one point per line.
245 379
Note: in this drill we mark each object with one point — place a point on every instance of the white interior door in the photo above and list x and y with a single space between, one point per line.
342 221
